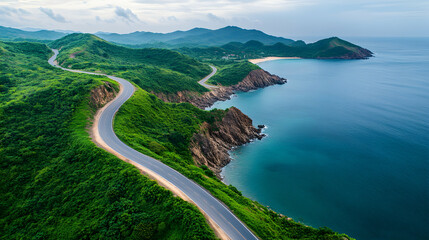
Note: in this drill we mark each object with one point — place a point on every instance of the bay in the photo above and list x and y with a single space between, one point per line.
347 144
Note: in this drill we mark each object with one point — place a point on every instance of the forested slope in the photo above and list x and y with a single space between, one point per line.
54 182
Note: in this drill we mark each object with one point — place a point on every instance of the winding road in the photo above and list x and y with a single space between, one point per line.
203 81
228 225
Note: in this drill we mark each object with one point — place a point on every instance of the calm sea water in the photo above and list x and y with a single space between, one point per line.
348 142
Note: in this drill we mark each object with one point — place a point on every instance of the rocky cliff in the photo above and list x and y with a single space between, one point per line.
211 144
101 95
255 79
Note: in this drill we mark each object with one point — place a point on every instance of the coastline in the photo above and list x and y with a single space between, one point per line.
259 60
210 146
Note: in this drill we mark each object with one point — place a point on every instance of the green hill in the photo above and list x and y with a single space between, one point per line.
331 48
57 184
155 70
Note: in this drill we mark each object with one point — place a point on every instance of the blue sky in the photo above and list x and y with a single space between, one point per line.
287 18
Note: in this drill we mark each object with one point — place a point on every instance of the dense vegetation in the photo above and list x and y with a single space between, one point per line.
324 49
55 183
155 70
163 131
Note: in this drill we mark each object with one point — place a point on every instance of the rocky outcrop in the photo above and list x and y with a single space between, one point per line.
211 144
101 95
255 79
358 53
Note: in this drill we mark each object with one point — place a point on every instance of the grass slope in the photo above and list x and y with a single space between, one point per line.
55 183
155 70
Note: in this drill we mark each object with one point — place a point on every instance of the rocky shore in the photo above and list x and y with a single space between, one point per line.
255 79
211 144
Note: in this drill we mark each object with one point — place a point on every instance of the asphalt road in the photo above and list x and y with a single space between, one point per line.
216 210
204 80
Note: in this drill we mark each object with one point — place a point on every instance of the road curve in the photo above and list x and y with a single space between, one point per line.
203 81
211 207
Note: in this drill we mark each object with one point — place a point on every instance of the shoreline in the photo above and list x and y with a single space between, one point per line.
260 60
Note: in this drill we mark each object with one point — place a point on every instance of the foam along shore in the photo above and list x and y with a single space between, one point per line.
259 60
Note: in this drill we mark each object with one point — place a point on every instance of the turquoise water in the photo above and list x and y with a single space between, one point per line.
348 142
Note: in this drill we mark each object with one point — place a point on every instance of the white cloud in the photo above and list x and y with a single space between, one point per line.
51 14
12 11
126 14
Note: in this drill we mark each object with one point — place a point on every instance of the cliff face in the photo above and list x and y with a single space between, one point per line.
211 144
254 80
102 95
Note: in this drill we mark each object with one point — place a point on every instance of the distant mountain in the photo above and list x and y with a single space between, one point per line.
330 48
243 43
7 33
195 37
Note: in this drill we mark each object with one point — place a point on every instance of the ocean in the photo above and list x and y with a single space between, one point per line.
347 143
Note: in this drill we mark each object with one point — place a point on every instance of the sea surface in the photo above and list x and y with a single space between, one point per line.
347 144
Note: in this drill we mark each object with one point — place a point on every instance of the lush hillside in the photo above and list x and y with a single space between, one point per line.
7 33
194 37
55 183
233 73
155 70
331 48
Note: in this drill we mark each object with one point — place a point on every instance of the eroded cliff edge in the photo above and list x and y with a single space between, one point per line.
211 144
101 95
258 78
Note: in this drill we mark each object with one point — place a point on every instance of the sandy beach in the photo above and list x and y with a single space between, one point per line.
259 60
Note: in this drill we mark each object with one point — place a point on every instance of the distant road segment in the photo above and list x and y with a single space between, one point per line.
204 80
